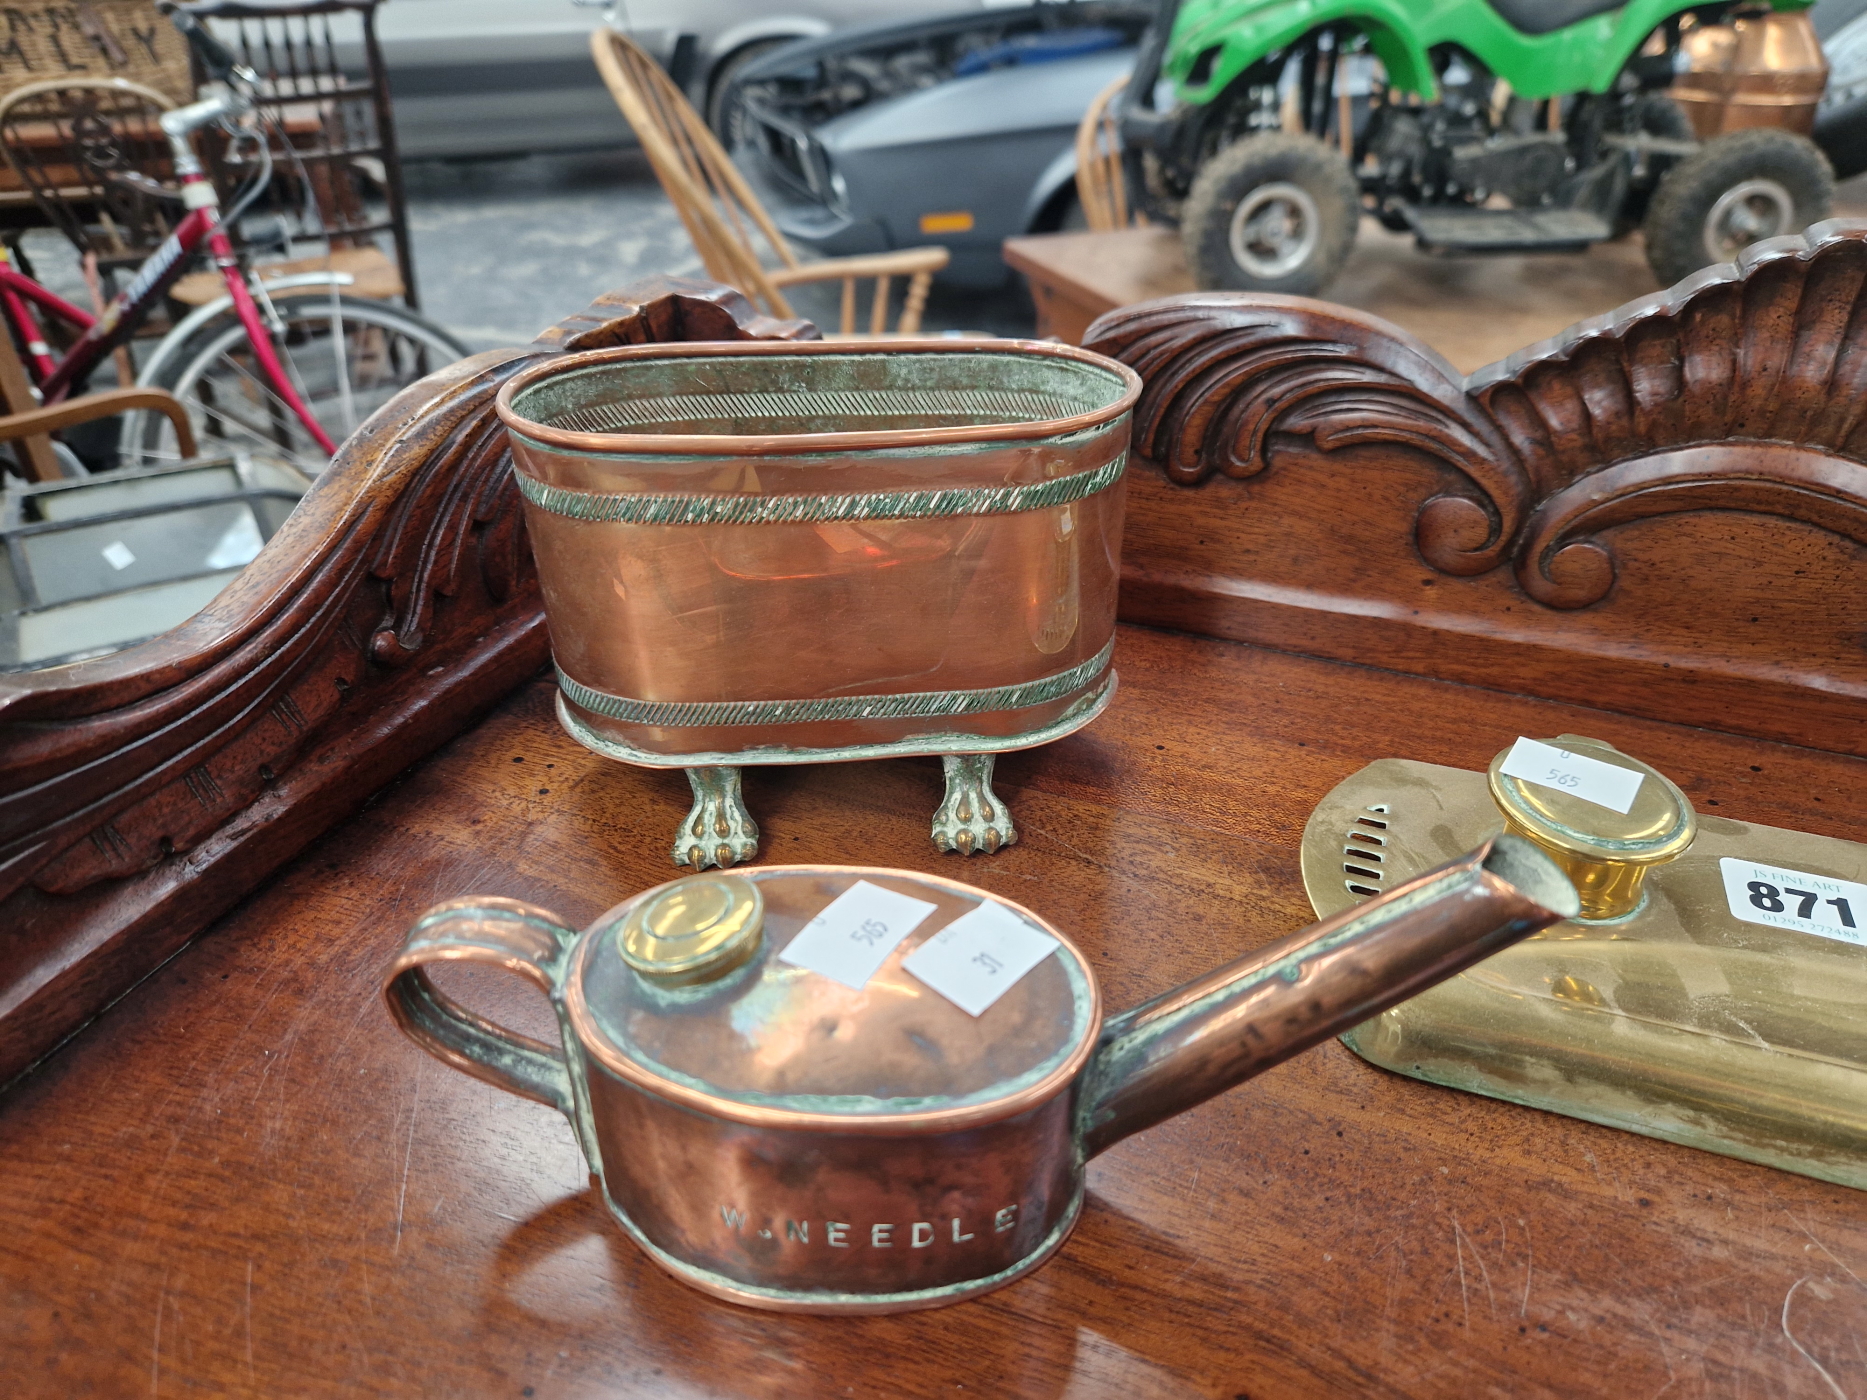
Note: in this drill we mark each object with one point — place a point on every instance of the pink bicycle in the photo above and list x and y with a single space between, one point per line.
282 369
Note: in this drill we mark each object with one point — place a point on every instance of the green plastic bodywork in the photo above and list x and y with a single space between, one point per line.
1584 57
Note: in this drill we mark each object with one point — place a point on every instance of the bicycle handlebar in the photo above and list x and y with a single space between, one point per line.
215 56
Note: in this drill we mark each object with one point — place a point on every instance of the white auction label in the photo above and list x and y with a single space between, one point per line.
1794 899
1587 778
855 933
980 956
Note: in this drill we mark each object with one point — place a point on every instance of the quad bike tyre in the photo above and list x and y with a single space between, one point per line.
1732 192
1271 213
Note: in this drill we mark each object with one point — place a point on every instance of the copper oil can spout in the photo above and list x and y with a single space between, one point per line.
1199 1040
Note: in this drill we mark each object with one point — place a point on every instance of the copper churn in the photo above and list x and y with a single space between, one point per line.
798 553
831 1089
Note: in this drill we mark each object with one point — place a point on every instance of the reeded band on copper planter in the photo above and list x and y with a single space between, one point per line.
802 553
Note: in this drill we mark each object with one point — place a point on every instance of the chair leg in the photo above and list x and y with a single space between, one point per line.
918 287
878 313
34 454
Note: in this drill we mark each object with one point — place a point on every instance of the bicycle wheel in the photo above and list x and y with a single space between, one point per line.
346 357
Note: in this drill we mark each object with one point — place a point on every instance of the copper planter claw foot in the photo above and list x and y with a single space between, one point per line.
972 817
719 831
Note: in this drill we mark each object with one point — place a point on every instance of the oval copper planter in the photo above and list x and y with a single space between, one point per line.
796 553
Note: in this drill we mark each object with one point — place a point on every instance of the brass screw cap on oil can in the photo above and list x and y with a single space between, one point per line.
1605 853
694 930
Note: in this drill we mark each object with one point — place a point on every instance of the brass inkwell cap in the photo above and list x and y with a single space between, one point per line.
693 930
1606 853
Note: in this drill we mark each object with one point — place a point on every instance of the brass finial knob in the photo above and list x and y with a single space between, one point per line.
694 929
1606 853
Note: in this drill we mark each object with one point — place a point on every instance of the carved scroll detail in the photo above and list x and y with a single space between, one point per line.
167 763
663 310
1771 349
1563 440
117 764
1641 414
1561 566
1225 371
460 503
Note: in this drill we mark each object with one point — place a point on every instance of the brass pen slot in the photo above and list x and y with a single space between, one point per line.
1357 839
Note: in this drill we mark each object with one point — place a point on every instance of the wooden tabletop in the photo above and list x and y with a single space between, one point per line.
241 1180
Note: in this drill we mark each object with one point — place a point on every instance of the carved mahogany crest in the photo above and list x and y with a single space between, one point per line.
1685 476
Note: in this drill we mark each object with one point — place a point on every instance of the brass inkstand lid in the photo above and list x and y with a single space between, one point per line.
1607 853
693 930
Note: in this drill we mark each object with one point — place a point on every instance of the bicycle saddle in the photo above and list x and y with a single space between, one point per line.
1547 16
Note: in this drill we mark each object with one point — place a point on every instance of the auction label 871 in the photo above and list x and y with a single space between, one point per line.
1793 899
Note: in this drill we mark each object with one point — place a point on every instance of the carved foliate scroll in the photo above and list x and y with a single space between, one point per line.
1744 388
1224 371
1662 512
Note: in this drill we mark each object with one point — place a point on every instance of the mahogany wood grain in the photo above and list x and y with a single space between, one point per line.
142 793
243 1181
1662 512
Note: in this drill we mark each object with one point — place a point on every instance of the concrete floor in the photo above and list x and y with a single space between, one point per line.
505 247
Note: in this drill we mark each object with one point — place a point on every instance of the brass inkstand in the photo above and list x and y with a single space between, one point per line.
1709 994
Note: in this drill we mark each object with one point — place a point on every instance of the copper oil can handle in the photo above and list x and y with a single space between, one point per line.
505 933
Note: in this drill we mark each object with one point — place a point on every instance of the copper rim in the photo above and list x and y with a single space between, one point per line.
797 444
942 1120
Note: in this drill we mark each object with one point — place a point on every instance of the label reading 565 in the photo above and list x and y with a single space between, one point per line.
1793 899
1604 784
855 932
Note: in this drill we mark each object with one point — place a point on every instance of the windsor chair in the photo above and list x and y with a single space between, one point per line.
724 217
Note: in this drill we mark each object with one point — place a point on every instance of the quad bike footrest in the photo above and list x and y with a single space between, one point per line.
1466 230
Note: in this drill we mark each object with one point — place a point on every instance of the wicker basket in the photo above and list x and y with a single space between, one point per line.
94 39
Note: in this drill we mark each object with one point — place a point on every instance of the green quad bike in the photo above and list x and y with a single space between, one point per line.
1266 127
